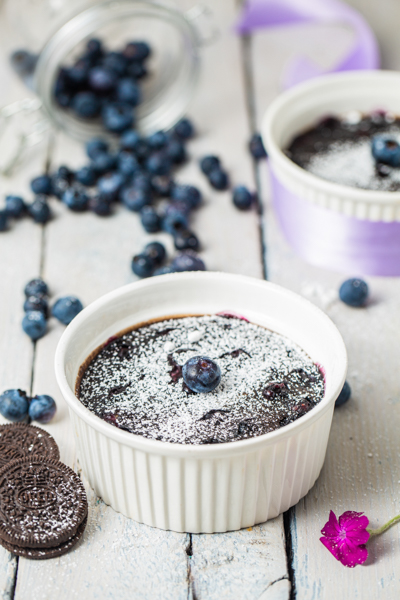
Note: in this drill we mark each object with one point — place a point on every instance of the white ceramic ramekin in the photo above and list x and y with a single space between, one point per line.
206 488
301 107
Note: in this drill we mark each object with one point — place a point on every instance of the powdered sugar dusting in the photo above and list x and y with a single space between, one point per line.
135 383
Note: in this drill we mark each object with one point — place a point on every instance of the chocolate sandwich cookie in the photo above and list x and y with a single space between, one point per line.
42 503
43 553
19 440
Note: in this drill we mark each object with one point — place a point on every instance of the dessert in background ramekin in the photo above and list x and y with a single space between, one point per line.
212 487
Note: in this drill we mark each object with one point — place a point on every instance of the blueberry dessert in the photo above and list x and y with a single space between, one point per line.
199 380
357 150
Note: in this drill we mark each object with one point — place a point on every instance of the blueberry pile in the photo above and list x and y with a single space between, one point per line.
16 406
152 259
37 311
104 85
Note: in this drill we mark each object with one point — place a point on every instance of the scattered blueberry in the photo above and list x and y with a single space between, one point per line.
36 303
143 265
242 198
100 206
102 80
163 270
41 185
15 206
162 185
117 116
186 240
219 179
76 199
42 408
201 374
61 180
209 163
175 150
96 146
14 405
109 185
256 147
174 221
187 194
135 198
39 210
150 219
354 292
129 140
66 309
386 150
103 162
159 163
23 62
157 140
188 261
36 287
184 129
344 395
128 91
86 105
156 251
127 163
4 218
34 324
86 176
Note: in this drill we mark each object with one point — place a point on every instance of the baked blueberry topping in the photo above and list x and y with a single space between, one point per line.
386 149
201 374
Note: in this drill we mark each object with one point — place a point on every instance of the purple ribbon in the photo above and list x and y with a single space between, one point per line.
364 53
330 239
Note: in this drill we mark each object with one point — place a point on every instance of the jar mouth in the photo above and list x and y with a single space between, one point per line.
173 76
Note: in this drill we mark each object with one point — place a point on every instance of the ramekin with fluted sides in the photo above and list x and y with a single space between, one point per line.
336 226
202 488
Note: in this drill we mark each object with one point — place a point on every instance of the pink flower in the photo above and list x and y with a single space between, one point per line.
346 539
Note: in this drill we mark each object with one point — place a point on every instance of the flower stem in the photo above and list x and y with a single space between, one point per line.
384 527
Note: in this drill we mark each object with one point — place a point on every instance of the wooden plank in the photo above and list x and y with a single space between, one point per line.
363 462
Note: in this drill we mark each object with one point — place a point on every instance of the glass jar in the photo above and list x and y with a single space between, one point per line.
65 27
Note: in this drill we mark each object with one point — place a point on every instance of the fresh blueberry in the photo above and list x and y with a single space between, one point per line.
99 206
142 150
14 405
184 129
157 140
143 265
4 218
86 175
63 99
96 146
129 140
23 62
175 150
344 395
94 49
34 324
39 210
137 51
42 408
188 261
242 198
159 163
103 162
156 251
134 198
174 207
256 147
78 73
174 222
36 287
66 309
102 80
86 105
76 199
163 270
61 180
386 149
354 292
201 374
186 240
65 173
109 185
41 185
137 70
150 219
219 179
116 62
187 194
15 206
117 116
128 91
36 303
142 181
127 163
209 163
162 185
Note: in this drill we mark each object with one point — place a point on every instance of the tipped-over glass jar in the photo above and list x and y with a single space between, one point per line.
57 31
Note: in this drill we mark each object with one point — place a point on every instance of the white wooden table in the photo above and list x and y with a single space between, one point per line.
89 256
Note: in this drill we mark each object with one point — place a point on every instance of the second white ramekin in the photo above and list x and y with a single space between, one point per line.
208 488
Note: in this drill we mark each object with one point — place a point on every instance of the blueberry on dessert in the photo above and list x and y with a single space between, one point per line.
201 374
354 292
385 149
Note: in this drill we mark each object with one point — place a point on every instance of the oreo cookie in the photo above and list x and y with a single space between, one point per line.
43 553
18 441
42 503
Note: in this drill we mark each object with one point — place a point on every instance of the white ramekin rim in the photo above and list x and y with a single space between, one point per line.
304 178
196 451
